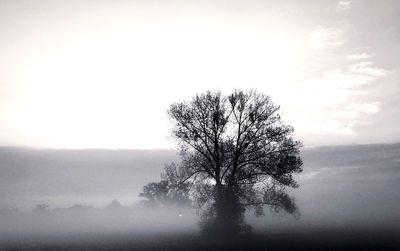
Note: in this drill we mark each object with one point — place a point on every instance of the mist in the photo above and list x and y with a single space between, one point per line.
52 196
80 223
62 178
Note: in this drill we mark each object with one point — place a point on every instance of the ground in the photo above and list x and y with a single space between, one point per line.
313 240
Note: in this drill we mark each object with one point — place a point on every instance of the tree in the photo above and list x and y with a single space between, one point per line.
166 192
236 154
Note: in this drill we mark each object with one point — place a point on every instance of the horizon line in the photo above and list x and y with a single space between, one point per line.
176 149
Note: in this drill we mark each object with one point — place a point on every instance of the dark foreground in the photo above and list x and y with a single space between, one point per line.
315 240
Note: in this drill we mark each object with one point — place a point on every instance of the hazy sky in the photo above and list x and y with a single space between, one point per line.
84 74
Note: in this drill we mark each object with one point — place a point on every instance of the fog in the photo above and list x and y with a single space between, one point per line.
346 187
50 195
65 177
80 222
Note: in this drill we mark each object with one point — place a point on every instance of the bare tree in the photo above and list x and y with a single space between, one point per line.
236 154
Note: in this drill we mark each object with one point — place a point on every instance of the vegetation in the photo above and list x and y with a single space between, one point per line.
166 193
236 154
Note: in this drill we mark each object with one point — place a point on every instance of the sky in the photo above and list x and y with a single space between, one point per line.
102 74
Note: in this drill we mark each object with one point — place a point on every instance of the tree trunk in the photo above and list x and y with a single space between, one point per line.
228 219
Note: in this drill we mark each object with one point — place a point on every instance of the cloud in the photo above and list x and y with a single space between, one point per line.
359 56
370 108
326 37
344 5
336 127
331 104
367 68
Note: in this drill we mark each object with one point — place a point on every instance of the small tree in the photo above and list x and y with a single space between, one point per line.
236 153
166 193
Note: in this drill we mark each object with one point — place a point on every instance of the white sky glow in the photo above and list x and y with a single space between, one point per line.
103 76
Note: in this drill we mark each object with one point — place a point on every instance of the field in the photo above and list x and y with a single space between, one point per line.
312 240
348 200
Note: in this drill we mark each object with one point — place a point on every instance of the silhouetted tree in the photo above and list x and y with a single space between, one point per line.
166 192
236 153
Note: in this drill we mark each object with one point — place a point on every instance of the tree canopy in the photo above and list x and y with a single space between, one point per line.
236 153
166 193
